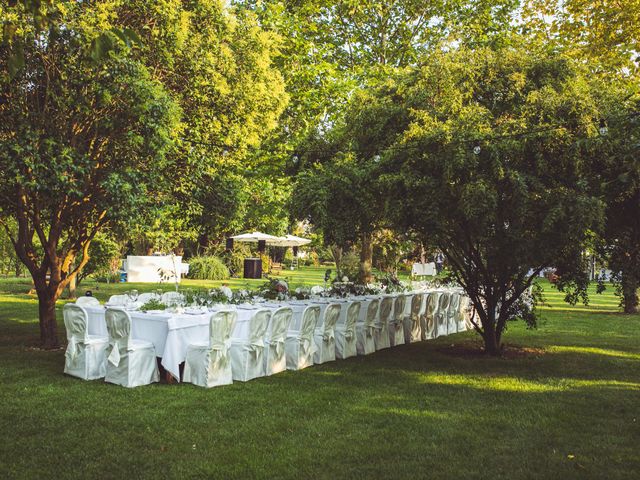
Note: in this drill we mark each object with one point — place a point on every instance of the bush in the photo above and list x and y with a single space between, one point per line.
207 268
104 259
350 266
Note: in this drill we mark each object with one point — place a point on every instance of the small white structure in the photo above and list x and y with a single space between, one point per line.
423 269
155 268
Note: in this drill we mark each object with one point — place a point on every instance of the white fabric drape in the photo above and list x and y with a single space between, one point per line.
85 355
130 362
346 340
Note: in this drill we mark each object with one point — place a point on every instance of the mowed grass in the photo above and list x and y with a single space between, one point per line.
571 410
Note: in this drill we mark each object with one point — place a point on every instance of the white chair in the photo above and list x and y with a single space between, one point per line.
247 345
429 329
441 314
452 313
365 328
396 322
299 345
117 300
385 312
275 359
462 313
208 364
346 340
324 335
130 362
412 329
87 301
85 355
469 314
146 297
172 298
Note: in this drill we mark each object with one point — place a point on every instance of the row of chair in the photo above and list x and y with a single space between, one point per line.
267 340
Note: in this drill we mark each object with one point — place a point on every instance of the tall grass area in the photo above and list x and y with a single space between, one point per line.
570 409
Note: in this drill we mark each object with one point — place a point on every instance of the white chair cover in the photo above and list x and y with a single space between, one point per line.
469 313
385 312
299 345
247 346
87 301
208 364
396 322
117 300
452 312
130 362
429 329
346 340
324 335
365 328
85 355
461 313
172 298
412 328
145 297
275 359
441 314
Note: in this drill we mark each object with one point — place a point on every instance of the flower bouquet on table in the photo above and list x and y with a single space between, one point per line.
275 289
302 293
153 305
391 284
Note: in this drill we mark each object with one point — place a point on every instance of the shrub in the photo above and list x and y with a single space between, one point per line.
207 268
350 266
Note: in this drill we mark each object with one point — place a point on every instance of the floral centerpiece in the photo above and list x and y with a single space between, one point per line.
275 289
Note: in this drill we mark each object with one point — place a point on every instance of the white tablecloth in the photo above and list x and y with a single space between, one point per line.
170 333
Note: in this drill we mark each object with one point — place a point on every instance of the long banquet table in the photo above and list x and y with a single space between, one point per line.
171 333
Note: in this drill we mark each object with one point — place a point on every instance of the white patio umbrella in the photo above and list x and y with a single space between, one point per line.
292 241
255 237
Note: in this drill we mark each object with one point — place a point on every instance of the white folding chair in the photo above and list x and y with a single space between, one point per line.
130 362
87 301
346 340
396 322
324 335
299 345
247 345
385 312
365 328
208 364
275 359
85 355
412 330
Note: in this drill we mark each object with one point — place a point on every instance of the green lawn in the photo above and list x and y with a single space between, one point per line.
417 411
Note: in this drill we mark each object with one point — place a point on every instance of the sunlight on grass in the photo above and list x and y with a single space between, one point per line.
519 385
593 350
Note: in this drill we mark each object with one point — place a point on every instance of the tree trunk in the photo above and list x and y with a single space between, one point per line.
337 257
630 294
490 336
48 323
73 285
366 258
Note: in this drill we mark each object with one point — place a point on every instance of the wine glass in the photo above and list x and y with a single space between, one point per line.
133 295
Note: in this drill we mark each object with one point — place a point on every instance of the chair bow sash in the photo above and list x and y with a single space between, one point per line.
114 356
72 349
256 346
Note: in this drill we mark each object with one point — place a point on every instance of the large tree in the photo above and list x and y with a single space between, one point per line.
616 174
491 171
82 140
